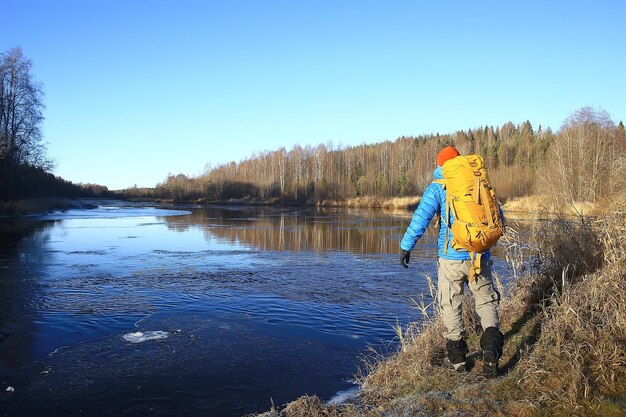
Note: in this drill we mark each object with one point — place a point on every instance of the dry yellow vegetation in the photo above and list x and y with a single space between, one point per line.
373 202
544 205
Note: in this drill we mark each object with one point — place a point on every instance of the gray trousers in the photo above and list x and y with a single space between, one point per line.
452 278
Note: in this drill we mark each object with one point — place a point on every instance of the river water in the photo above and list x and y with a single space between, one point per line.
212 311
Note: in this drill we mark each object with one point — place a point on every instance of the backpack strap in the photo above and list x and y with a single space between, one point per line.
474 268
446 216
485 200
476 195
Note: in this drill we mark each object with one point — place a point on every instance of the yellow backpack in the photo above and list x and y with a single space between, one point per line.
478 224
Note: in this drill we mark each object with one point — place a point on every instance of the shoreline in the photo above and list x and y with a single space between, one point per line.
356 202
41 206
532 204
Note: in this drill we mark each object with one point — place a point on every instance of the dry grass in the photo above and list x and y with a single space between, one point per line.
565 337
580 359
311 406
411 369
531 203
582 351
373 202
545 205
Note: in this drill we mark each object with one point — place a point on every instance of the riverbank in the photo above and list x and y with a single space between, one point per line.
528 204
395 203
565 340
35 206
542 204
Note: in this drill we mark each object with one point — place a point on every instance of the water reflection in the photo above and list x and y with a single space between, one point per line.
15 236
313 230
21 250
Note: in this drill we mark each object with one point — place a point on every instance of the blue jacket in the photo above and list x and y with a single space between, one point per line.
433 202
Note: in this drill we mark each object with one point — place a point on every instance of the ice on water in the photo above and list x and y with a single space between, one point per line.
111 210
343 397
138 337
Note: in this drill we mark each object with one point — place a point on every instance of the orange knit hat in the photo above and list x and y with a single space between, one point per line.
446 153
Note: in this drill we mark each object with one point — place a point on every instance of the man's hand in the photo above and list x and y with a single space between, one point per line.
405 256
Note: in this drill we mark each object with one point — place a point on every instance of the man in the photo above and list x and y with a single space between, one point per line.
453 272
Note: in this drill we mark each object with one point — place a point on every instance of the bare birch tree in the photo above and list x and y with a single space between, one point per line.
282 170
586 158
20 119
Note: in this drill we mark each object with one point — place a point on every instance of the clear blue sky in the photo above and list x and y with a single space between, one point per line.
138 89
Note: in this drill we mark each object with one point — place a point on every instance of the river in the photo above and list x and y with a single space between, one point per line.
134 309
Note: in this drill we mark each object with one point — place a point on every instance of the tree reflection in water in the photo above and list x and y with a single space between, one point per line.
313 230
22 248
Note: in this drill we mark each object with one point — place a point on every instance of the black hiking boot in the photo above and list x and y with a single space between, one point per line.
459 367
490 369
491 342
457 349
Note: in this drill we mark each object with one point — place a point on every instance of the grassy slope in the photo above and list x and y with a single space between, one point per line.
565 341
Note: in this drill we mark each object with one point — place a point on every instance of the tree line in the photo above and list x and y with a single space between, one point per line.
389 169
585 158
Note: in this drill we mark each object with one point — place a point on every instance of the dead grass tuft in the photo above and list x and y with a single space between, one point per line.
422 349
570 248
582 351
311 406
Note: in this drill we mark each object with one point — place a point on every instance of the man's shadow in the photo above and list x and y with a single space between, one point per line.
531 335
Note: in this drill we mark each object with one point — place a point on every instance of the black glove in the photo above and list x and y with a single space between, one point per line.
405 256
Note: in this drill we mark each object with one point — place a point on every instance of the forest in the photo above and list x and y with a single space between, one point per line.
516 155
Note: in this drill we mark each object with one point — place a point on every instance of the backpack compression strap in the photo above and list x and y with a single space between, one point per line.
475 265
475 257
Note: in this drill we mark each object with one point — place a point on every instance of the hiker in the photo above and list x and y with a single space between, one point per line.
455 268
